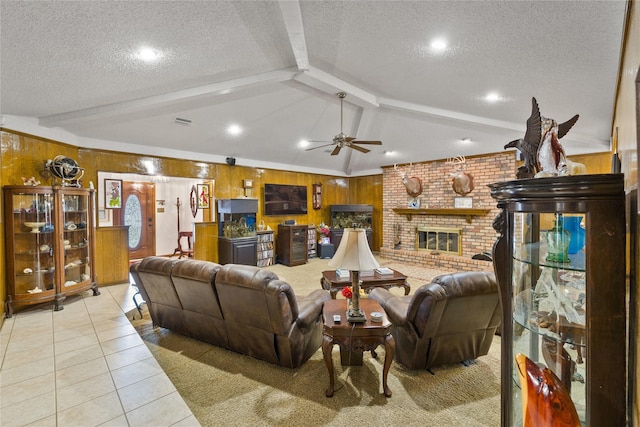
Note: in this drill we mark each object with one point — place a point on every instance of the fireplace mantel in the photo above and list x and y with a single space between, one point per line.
466 212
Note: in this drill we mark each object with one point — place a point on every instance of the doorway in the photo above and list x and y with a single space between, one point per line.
138 213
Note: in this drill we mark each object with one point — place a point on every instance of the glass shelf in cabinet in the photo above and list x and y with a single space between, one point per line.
524 255
546 323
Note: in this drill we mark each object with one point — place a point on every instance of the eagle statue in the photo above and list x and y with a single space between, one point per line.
543 154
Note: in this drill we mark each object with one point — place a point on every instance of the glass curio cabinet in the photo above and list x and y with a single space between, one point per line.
560 265
49 237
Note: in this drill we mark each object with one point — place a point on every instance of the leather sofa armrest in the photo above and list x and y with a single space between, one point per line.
310 307
381 295
396 307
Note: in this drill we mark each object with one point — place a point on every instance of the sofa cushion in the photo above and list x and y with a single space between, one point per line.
194 284
156 286
256 305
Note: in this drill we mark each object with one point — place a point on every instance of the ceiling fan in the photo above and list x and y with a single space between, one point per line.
341 139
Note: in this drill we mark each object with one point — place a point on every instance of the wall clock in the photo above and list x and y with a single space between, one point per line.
317 195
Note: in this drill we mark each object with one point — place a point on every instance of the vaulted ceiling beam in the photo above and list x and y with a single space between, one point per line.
128 107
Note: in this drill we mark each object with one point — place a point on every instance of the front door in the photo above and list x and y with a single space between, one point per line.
138 214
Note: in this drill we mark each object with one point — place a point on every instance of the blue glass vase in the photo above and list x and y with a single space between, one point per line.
577 231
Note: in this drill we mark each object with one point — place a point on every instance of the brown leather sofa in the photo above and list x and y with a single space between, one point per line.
239 307
452 319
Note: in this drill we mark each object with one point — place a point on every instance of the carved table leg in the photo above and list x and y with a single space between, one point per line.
407 287
327 346
389 349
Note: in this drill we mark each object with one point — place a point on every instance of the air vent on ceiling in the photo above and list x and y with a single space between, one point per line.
181 121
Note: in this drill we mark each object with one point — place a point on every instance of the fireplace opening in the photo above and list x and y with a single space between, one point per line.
440 239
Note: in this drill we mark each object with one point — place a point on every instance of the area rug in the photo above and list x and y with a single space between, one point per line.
222 387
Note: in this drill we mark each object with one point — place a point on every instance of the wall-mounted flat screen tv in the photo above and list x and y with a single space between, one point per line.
285 199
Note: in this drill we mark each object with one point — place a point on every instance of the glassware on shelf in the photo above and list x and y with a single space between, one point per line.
558 240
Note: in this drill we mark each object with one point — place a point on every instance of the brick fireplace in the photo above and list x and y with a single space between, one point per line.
475 233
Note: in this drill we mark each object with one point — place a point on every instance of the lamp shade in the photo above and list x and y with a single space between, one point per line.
354 253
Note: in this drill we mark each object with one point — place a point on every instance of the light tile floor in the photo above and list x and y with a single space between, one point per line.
83 366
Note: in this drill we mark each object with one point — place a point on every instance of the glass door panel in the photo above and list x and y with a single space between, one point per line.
33 242
77 259
549 301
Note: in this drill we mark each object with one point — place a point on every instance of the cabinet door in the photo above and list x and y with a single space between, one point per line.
76 240
244 252
550 302
30 243
299 244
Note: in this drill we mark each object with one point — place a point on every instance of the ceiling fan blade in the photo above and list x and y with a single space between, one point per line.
349 139
319 146
355 147
336 150
368 142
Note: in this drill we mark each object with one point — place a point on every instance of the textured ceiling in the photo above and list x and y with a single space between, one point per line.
67 68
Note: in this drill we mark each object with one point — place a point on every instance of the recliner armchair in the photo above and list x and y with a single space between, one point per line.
450 320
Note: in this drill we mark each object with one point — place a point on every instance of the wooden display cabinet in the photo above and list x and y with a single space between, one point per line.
50 244
564 307
292 244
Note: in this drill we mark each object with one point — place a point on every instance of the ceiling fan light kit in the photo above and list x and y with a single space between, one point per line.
342 140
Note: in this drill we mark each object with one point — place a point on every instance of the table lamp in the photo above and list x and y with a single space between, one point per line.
354 255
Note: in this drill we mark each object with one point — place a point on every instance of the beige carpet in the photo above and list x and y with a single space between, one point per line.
225 388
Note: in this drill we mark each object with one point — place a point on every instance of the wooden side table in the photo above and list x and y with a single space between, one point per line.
356 338
330 282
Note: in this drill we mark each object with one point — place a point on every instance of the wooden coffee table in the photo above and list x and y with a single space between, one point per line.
355 338
330 282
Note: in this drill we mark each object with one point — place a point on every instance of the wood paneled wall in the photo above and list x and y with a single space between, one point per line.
24 155
112 255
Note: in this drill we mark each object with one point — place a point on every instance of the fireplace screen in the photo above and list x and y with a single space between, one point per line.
439 239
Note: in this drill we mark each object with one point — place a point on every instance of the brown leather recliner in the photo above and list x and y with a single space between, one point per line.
265 319
450 320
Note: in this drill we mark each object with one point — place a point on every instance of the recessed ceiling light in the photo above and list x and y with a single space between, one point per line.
438 45
389 153
466 140
303 143
493 97
147 54
234 130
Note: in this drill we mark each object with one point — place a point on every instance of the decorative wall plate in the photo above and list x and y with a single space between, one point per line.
193 200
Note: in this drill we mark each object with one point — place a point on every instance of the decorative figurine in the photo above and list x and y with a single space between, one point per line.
462 181
30 181
543 154
546 402
66 169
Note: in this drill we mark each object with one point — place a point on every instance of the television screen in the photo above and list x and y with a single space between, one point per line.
285 199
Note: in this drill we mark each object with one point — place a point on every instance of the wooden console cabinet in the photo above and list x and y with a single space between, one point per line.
241 250
50 244
564 308
292 244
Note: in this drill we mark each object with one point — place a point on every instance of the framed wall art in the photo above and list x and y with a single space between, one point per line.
112 193
463 202
204 200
